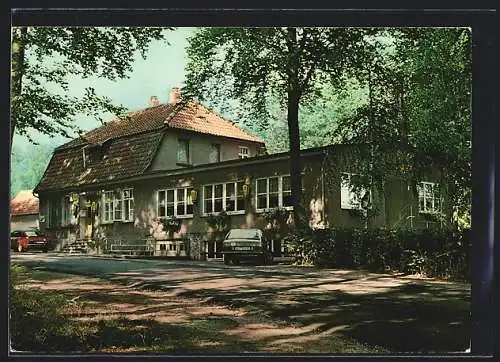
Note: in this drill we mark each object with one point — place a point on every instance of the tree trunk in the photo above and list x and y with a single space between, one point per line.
293 97
17 65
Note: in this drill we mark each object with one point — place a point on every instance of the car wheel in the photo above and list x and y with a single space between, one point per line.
227 260
45 250
19 248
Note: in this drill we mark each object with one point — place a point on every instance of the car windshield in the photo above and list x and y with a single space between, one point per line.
243 234
32 233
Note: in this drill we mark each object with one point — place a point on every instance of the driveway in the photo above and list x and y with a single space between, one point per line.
401 314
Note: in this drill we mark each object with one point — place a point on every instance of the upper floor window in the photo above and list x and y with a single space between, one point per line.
182 150
429 198
214 155
223 197
118 205
175 202
353 195
273 192
243 152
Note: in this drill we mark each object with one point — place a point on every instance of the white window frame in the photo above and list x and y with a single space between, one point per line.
243 152
188 146
217 147
349 199
224 198
187 201
280 193
117 203
107 215
130 201
435 195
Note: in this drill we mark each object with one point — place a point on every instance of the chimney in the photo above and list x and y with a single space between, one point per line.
154 101
175 95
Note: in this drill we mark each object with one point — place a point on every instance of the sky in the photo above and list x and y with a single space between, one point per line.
156 75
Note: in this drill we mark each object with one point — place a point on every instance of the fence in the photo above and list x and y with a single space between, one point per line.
133 247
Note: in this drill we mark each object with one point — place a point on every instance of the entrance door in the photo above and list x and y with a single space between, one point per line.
89 222
210 249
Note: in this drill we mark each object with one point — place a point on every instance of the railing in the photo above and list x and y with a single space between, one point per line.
143 247
407 218
405 215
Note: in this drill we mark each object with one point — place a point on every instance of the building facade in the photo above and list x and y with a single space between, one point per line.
174 178
24 211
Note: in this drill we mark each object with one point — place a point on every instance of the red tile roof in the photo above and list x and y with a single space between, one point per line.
24 203
191 116
125 157
129 144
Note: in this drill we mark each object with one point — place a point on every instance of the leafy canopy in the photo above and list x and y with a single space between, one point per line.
46 59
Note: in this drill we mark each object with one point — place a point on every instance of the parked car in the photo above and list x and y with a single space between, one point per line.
23 240
246 245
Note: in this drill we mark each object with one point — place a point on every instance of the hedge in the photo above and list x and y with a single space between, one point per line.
429 252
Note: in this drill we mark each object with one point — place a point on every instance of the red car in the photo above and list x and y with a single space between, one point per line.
23 240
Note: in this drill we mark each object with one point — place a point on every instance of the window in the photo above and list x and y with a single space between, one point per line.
429 199
214 155
66 212
224 197
128 205
273 192
53 213
350 197
107 202
118 205
175 202
243 152
182 151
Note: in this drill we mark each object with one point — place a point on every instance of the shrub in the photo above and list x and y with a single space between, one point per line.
435 253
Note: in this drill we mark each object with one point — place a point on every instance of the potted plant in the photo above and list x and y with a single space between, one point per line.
172 225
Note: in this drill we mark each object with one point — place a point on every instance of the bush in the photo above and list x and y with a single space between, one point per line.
434 253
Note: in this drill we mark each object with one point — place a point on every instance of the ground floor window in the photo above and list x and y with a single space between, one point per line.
271 192
429 198
118 205
175 202
223 197
353 195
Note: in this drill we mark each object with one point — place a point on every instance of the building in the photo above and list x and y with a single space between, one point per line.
174 177
24 211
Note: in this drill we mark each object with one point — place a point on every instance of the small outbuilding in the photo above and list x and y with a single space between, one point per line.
24 211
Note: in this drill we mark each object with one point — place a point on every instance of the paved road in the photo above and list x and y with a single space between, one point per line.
399 313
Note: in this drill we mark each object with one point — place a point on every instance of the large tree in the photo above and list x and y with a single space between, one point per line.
419 109
252 64
43 60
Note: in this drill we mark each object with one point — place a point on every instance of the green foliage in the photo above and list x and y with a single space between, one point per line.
277 215
27 166
172 224
220 221
418 113
434 253
252 65
44 59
